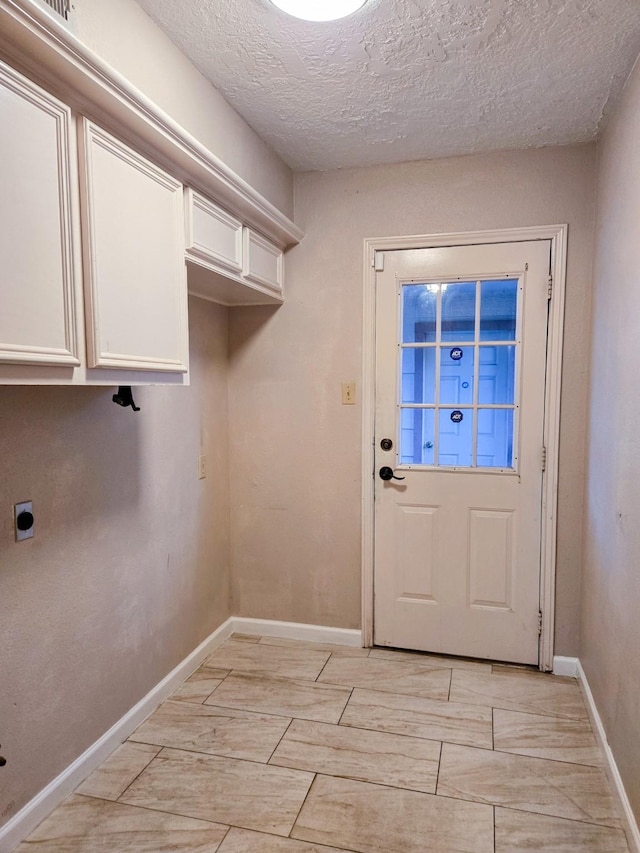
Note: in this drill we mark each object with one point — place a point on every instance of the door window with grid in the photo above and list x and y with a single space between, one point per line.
459 361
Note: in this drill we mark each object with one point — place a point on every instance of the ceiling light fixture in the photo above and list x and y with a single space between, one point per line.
319 10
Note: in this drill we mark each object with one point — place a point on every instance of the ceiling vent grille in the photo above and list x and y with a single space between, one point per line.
60 6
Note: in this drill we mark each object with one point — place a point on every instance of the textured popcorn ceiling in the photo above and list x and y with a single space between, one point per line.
411 79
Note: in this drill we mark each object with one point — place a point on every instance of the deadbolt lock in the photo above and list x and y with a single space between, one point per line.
386 444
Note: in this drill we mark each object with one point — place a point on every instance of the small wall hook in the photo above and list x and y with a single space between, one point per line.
124 398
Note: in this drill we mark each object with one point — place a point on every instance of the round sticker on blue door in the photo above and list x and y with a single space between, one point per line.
457 416
456 353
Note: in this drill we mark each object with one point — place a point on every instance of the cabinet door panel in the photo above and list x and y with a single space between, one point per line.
214 237
36 239
263 262
134 259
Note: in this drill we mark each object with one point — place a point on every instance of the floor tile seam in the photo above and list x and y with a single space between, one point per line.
395 785
411 737
269 673
302 804
147 808
229 713
269 714
284 734
443 702
533 712
530 757
532 692
439 766
207 668
503 751
547 716
227 825
187 700
346 705
78 793
200 752
324 666
222 681
476 662
494 829
388 786
273 676
281 837
536 675
355 750
616 824
252 761
137 776
577 820
224 838
380 690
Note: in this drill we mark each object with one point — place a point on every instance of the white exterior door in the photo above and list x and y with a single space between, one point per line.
461 336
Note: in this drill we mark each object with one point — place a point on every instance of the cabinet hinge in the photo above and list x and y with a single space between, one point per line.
544 459
539 623
378 261
550 287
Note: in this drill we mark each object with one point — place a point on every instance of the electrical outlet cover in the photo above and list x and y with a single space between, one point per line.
25 506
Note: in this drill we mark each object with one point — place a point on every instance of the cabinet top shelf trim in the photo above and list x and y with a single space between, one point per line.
33 38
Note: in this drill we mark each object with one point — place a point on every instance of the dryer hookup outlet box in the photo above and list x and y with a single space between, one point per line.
23 520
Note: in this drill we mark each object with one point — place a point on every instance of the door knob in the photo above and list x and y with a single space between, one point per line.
386 473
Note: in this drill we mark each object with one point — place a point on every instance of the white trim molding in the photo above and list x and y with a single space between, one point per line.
565 666
35 811
557 234
298 631
630 824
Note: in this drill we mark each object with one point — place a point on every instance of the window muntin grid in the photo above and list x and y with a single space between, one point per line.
459 362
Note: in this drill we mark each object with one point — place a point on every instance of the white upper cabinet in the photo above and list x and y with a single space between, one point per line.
228 262
134 269
37 171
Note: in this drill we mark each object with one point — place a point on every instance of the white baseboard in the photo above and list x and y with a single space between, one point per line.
566 666
298 631
632 830
572 667
35 811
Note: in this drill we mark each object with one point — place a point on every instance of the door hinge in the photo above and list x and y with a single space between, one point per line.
378 261
544 459
550 287
539 623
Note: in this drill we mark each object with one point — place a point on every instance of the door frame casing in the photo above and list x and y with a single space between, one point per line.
557 234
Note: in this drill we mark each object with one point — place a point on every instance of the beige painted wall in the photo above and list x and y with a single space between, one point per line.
125 37
610 642
296 451
129 568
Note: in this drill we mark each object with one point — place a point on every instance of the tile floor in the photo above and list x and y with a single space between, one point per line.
276 746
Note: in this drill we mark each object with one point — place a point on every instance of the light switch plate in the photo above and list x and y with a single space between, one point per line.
348 393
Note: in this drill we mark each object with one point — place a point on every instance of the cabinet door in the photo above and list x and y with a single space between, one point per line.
263 262
214 237
37 313
135 277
